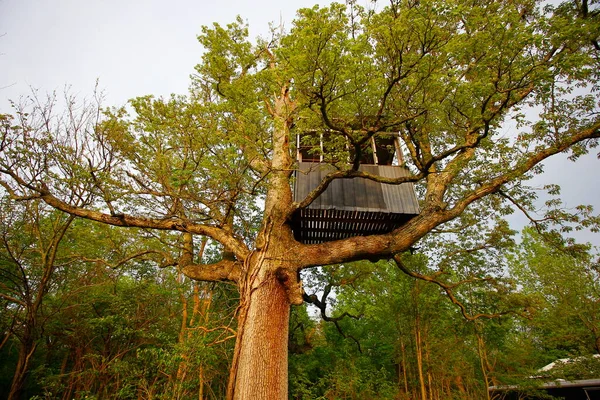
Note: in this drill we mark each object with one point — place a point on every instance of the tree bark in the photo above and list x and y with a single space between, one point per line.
404 368
419 351
268 281
260 360
483 363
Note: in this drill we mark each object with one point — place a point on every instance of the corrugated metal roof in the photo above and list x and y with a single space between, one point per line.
357 194
351 207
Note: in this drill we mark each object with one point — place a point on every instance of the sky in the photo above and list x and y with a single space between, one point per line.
134 47
139 47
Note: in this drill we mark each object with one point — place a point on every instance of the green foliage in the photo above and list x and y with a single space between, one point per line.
566 287
392 307
584 367
105 328
118 339
460 359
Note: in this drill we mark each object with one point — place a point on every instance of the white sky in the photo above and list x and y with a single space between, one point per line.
134 47
139 47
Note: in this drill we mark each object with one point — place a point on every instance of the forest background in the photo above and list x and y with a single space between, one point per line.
113 328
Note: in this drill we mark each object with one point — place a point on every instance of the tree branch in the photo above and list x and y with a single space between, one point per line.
493 185
224 270
322 306
177 224
447 288
167 259
13 299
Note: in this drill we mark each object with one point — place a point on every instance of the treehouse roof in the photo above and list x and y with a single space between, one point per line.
351 207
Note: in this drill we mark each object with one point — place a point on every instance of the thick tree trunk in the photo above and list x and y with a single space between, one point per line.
269 280
259 370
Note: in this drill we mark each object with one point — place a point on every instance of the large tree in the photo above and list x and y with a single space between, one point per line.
453 78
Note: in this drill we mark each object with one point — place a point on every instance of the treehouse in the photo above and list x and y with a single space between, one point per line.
351 207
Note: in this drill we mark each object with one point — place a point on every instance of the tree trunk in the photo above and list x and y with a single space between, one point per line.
418 341
419 354
404 366
260 364
483 363
26 350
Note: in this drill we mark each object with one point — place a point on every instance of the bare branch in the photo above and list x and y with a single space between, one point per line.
167 260
322 306
447 288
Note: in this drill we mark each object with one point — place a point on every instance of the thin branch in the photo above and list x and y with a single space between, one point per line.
492 186
536 222
13 299
322 305
447 288
167 259
209 330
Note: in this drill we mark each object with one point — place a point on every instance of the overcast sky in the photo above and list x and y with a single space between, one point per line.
134 47
139 47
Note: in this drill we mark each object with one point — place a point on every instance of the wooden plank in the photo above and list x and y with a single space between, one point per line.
336 191
349 195
399 198
325 225
314 178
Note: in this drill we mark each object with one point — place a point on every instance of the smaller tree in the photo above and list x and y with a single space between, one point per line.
31 235
565 281
409 341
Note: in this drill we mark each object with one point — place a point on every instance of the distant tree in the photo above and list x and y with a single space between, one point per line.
43 257
450 77
566 286
84 313
31 237
121 338
399 337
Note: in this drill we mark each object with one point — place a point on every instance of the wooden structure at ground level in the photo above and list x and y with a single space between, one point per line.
588 389
353 207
